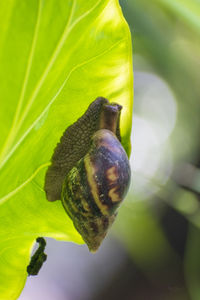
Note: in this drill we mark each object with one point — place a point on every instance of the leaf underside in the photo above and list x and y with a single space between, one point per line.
56 57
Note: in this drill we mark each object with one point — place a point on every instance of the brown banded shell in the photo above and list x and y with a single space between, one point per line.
90 171
95 187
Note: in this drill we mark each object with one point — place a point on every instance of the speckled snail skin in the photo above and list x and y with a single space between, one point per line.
90 171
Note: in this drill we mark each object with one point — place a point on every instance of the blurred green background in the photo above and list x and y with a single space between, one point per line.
154 250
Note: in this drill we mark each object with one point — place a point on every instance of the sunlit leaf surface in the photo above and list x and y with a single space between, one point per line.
56 57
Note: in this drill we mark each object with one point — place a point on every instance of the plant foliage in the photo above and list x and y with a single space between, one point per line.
56 57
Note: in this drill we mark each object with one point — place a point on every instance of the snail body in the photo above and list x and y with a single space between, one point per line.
97 181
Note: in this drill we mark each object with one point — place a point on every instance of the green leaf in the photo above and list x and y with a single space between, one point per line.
56 57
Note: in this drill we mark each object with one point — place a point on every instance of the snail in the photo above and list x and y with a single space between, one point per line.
90 171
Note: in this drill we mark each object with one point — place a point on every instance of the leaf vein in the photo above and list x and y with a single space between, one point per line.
54 56
54 98
21 186
12 134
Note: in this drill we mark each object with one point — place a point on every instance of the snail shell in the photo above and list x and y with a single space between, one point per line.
90 171
95 187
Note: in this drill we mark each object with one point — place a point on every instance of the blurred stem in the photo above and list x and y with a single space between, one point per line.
192 263
187 9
